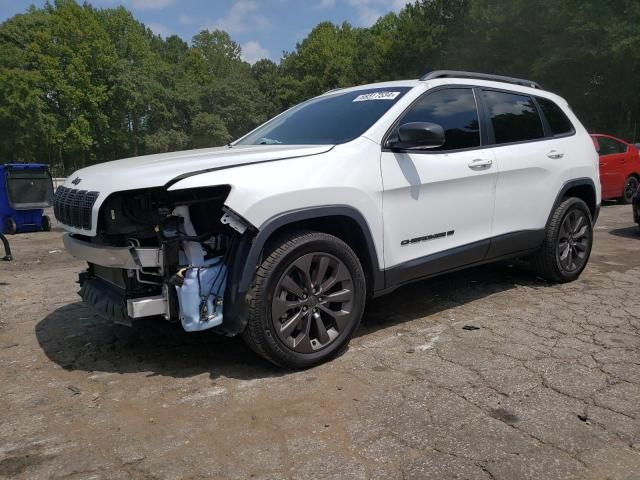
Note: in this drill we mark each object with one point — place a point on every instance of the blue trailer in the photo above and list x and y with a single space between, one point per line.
25 190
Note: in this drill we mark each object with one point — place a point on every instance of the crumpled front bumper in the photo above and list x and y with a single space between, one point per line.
112 303
130 258
105 298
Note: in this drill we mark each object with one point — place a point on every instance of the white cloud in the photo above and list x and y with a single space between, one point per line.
326 4
151 4
253 51
369 11
136 4
188 20
243 16
160 29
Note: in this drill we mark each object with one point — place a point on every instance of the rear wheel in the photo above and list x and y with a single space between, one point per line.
307 300
46 223
568 240
630 187
9 226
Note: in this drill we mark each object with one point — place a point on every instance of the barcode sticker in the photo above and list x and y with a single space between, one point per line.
376 96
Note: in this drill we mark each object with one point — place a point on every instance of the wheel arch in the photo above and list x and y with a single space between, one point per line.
343 221
582 188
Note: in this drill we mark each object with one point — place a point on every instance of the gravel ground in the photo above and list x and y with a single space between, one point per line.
547 387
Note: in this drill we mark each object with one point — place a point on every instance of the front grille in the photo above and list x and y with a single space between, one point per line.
73 207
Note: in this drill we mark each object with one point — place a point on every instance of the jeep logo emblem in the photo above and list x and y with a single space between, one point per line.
76 180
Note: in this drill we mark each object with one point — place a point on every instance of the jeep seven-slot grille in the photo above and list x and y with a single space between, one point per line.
73 207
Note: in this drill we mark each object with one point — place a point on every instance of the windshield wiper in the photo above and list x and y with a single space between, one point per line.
269 141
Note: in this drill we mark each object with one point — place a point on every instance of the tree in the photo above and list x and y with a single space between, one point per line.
324 60
214 53
80 85
138 101
209 131
166 141
73 56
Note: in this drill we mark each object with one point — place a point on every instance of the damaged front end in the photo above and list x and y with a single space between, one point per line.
159 253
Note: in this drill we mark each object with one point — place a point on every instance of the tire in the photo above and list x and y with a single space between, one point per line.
630 187
9 226
289 323
568 240
46 223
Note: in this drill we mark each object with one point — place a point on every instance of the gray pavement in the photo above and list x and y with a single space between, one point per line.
547 387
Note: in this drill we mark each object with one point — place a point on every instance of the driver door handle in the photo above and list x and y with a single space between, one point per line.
480 163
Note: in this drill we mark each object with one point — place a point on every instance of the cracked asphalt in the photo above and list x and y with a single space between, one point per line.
546 386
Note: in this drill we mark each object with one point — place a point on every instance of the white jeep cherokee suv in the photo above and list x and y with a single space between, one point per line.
282 235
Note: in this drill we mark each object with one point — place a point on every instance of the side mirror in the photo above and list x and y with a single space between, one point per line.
418 135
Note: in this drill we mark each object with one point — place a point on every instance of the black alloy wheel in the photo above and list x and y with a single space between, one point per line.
574 241
306 300
312 302
567 243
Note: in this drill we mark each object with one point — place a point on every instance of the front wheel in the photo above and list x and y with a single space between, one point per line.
568 241
306 301
630 187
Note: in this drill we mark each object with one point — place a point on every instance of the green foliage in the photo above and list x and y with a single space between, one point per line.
166 141
80 85
209 131
214 53
324 60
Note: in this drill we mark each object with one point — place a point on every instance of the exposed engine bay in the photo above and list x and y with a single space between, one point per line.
160 253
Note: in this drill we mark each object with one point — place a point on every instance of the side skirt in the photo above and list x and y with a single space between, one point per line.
510 245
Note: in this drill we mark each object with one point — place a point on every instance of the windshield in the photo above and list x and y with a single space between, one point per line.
327 120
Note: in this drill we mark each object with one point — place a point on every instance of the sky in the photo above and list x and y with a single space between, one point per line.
263 28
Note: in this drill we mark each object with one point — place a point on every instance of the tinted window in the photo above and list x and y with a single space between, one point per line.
454 109
609 146
29 188
514 117
327 120
556 118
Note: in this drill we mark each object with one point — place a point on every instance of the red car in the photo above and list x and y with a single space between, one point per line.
619 167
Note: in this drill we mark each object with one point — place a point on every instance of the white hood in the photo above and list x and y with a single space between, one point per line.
158 170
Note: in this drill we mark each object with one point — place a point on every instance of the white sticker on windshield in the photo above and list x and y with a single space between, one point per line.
376 96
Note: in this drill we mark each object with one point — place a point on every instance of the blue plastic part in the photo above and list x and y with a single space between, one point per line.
26 220
190 295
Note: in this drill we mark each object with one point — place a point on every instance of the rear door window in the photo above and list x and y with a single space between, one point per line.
609 146
557 120
514 117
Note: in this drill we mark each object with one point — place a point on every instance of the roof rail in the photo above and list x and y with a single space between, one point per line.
478 76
